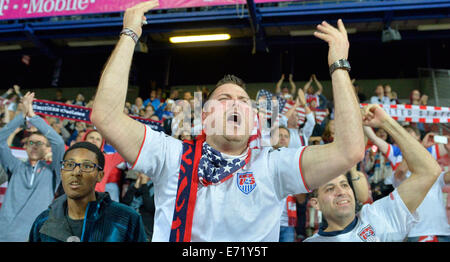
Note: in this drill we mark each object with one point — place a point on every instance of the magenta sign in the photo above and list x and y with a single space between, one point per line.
19 9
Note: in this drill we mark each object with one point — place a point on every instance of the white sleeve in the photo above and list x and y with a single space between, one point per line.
390 217
309 125
285 169
158 152
294 138
283 120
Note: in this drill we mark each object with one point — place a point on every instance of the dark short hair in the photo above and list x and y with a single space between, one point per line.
413 128
227 79
91 147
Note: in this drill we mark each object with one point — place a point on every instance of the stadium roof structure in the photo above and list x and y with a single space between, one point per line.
259 25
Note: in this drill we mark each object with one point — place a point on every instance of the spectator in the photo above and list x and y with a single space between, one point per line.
284 92
79 100
153 100
391 95
187 96
113 170
379 97
59 96
278 171
329 132
149 111
390 218
138 105
83 215
289 218
312 97
140 196
431 212
31 184
415 98
378 166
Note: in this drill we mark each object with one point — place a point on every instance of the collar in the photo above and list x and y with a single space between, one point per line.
56 226
347 229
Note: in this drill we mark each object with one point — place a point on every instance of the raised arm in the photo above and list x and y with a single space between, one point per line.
323 163
424 169
293 86
7 159
310 120
279 83
307 85
380 143
125 134
56 141
360 185
319 85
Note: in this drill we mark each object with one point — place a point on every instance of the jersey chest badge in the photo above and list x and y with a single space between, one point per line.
367 234
246 182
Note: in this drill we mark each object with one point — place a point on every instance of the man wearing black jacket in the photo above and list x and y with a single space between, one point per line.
140 196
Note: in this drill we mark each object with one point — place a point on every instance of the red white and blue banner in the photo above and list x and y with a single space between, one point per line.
79 113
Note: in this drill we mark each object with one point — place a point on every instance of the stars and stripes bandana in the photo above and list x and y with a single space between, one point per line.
214 168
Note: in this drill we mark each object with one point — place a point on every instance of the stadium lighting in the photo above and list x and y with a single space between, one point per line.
198 38
10 47
433 27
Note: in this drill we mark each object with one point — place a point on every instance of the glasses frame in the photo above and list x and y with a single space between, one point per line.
79 165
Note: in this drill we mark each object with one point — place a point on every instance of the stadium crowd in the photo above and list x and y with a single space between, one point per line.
295 117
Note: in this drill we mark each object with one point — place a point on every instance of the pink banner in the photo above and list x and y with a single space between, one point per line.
19 9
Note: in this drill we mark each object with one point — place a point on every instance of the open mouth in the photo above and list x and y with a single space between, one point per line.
74 184
234 118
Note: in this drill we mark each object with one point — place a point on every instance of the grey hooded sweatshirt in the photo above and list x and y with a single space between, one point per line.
30 189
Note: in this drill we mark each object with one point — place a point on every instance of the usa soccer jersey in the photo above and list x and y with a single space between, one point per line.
386 220
241 208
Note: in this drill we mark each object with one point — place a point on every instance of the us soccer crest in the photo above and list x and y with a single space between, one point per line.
367 234
246 182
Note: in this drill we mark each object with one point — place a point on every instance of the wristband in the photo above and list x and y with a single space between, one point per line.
130 33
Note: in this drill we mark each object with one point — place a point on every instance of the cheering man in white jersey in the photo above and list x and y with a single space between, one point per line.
218 188
387 219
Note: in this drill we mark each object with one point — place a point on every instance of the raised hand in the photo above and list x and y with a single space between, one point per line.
336 38
27 101
374 116
134 16
301 97
428 140
17 89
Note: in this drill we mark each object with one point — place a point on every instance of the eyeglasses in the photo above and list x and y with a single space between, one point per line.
86 166
35 143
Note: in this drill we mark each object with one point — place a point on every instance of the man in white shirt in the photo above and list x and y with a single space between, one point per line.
226 190
390 218
433 224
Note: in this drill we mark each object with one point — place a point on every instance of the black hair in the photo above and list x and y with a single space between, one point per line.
227 79
91 147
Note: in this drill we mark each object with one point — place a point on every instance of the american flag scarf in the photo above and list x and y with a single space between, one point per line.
202 163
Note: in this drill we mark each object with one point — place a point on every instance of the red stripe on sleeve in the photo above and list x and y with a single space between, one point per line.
142 145
300 168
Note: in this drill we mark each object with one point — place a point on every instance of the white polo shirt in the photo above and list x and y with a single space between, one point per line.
386 220
228 211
